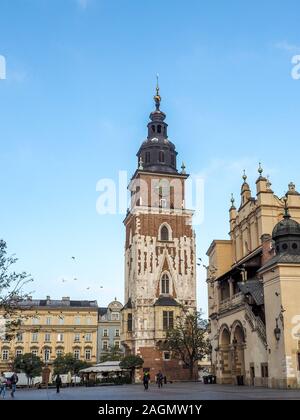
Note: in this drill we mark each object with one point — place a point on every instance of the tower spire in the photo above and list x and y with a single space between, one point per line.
157 97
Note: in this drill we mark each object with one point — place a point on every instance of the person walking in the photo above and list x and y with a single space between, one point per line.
58 383
3 383
146 379
13 381
160 378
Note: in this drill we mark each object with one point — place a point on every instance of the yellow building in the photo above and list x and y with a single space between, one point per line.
54 327
254 290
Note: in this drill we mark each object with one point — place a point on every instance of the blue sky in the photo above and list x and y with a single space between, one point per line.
74 109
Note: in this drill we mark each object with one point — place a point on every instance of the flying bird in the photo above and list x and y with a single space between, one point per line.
73 258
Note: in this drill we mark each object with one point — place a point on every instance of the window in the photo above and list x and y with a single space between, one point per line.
88 337
35 321
61 320
19 337
129 323
284 247
48 320
105 333
77 337
161 157
104 345
19 352
298 357
115 316
34 337
164 233
153 128
60 337
163 203
77 354
117 333
168 320
47 353
35 352
59 352
5 354
166 355
117 344
47 337
294 246
88 321
77 320
88 354
172 160
264 370
159 128
165 284
147 157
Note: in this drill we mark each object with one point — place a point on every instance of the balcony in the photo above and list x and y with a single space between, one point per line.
235 301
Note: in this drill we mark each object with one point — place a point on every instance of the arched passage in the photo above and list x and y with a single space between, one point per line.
225 376
238 346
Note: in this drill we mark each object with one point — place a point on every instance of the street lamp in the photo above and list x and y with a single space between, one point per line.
277 331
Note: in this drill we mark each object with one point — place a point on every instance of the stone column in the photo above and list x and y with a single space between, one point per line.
218 289
231 291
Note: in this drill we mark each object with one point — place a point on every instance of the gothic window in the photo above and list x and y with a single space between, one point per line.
129 323
161 157
168 320
164 233
165 284
159 128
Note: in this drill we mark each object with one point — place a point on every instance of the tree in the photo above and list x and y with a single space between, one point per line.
131 363
113 354
30 364
11 289
68 363
188 339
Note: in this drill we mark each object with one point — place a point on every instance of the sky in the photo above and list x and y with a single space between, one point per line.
80 80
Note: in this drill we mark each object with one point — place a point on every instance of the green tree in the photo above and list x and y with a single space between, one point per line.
11 290
30 364
188 339
113 354
131 363
68 363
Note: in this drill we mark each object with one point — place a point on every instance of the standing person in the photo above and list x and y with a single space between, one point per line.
58 383
160 378
3 383
146 379
165 380
13 380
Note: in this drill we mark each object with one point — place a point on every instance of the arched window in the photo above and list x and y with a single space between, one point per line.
147 157
153 128
165 284
164 233
161 157
159 128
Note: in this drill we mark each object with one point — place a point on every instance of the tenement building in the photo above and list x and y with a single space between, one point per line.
254 290
160 274
109 329
50 328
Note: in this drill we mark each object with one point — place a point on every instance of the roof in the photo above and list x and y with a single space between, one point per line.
64 303
166 301
254 288
102 311
285 258
128 305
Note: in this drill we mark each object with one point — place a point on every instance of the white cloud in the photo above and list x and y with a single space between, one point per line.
286 46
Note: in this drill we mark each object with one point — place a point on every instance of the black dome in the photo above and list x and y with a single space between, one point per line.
286 227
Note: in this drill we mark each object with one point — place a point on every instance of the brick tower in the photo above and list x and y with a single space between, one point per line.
160 274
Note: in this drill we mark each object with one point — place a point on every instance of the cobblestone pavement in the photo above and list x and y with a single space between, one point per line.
176 391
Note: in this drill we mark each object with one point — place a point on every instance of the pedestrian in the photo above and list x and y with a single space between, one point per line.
58 383
165 380
3 383
13 381
146 379
160 378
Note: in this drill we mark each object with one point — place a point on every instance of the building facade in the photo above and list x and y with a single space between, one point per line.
51 328
254 290
160 273
109 329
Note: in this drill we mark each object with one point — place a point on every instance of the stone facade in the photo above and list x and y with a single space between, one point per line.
254 293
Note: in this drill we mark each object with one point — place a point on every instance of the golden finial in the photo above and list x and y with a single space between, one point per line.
157 97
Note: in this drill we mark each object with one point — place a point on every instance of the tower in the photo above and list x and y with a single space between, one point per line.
160 274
